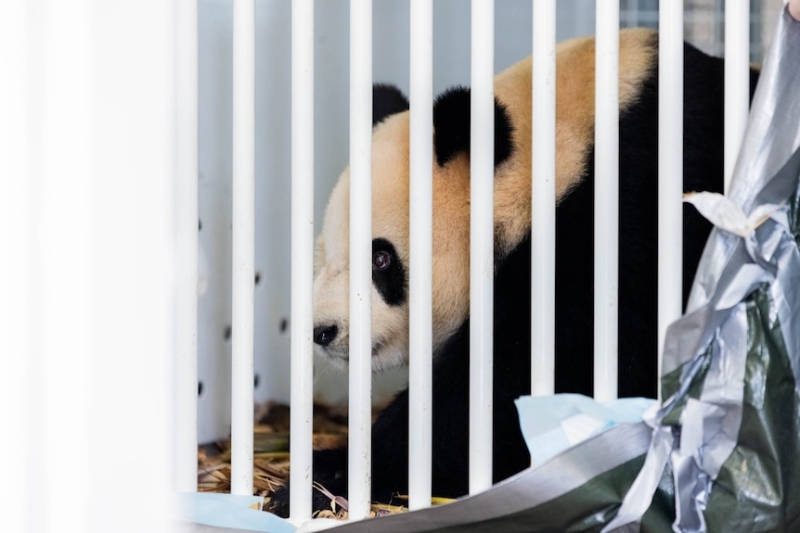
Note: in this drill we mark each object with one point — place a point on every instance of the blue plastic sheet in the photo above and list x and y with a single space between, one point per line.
552 424
228 511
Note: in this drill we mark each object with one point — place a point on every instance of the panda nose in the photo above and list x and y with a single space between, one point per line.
324 335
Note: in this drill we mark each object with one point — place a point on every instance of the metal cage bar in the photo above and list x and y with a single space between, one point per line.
420 278
302 365
360 257
543 203
481 245
606 218
243 245
186 161
670 169
737 79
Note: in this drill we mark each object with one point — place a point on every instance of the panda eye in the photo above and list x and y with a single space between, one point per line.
381 260
388 274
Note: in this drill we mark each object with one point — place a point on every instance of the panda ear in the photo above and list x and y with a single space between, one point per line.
451 124
386 100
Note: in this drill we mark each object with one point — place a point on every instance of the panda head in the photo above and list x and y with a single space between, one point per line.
390 231
451 195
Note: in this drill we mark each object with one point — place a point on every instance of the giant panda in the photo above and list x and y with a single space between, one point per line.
638 175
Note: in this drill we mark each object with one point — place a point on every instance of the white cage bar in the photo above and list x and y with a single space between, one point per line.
606 191
543 204
670 169
420 281
302 259
186 245
737 79
359 440
243 246
481 245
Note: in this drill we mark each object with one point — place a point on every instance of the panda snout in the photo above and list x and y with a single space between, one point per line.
324 335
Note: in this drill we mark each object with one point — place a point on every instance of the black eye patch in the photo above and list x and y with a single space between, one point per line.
388 273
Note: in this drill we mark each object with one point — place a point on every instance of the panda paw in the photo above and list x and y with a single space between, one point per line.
279 502
330 484
321 500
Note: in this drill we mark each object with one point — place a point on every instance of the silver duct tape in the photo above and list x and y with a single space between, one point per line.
688 338
530 488
710 425
636 501
771 139
708 431
785 294
731 268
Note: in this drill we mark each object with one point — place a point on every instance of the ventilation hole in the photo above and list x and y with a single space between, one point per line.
255 381
199 225
227 333
199 388
284 324
258 278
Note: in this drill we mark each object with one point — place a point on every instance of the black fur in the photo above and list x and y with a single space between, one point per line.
391 282
451 125
386 100
638 216
703 170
